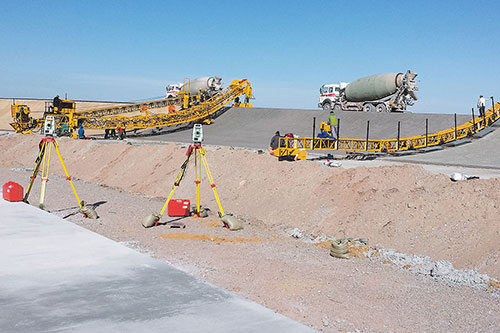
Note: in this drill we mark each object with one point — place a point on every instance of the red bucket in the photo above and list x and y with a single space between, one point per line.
12 191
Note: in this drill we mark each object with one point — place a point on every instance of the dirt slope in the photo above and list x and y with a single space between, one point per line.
402 207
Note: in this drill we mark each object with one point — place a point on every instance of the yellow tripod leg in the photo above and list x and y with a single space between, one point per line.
153 219
45 177
197 172
41 156
230 221
211 180
68 178
168 200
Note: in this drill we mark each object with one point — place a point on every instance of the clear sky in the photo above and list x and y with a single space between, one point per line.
130 50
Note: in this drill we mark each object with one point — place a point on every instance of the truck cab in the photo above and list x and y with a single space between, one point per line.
329 95
173 89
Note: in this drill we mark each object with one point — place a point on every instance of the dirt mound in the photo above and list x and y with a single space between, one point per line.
402 207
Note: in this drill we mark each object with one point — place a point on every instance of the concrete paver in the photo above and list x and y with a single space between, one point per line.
57 276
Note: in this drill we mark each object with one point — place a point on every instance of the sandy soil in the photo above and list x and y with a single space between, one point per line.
402 207
37 108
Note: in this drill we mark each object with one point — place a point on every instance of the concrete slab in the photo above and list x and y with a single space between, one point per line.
254 127
480 153
57 276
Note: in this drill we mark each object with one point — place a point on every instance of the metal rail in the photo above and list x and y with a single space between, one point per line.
120 109
291 146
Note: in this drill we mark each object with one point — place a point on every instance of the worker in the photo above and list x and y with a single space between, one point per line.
121 133
81 132
274 142
106 134
56 102
325 135
481 103
333 123
171 108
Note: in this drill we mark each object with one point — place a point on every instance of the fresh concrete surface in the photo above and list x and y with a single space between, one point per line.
482 153
57 276
254 127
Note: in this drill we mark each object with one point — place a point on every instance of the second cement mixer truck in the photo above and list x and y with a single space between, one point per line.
388 92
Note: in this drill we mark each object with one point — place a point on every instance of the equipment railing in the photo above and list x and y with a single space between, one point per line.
289 146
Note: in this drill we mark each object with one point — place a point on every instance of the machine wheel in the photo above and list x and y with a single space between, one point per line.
337 108
368 107
327 106
381 107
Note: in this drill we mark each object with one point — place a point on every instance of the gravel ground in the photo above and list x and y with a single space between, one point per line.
263 263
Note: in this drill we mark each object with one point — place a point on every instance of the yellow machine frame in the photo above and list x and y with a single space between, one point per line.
293 146
105 118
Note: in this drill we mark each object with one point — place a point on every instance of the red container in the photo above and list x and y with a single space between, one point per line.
179 207
12 191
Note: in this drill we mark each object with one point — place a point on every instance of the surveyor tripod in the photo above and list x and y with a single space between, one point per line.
198 152
43 160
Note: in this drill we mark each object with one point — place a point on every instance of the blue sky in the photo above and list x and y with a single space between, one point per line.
130 50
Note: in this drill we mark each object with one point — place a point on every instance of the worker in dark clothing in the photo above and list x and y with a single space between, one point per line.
56 102
274 142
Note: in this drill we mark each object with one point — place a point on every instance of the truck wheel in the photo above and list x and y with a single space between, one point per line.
381 107
327 106
337 108
368 107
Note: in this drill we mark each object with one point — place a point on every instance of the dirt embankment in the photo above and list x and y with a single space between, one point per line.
402 207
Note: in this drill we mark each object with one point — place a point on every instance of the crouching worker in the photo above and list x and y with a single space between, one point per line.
275 140
325 135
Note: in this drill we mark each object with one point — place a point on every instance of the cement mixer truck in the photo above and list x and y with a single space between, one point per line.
388 92
207 86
